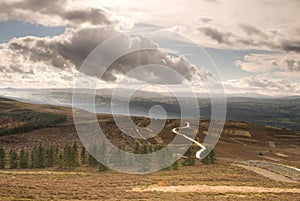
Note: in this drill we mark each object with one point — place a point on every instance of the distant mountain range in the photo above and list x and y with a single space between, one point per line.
272 111
140 93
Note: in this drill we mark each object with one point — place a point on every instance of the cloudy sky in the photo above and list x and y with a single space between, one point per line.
254 43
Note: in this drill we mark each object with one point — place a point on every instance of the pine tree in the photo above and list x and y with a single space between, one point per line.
91 160
60 160
102 168
74 154
205 160
69 161
102 154
138 151
190 160
49 157
210 158
40 157
213 158
83 155
177 165
13 159
146 160
56 153
66 157
2 158
34 159
24 159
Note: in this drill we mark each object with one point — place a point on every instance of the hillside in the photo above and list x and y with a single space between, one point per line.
239 140
252 161
263 110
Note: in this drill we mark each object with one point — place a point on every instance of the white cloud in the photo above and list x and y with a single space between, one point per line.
223 24
288 62
263 84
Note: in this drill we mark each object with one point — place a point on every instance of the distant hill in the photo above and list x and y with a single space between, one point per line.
272 111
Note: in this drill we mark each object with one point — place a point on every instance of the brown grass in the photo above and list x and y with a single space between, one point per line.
47 185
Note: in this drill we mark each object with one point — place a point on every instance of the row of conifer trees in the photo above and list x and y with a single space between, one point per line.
72 156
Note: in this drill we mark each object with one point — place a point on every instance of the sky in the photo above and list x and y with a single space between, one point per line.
255 44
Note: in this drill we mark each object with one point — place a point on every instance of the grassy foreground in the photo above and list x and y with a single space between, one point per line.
88 184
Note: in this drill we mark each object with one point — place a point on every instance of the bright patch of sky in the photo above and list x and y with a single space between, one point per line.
13 28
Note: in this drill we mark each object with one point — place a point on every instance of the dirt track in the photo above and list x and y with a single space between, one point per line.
217 189
266 173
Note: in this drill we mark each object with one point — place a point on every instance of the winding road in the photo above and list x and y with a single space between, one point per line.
175 130
202 147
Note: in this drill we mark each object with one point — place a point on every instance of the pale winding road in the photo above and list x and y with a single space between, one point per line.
174 130
202 147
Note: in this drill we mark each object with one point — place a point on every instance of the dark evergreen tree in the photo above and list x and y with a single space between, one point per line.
13 159
75 153
91 160
60 160
34 157
177 165
2 158
40 157
190 157
102 168
49 157
137 151
69 158
145 160
83 155
102 154
24 157
210 158
213 158
102 151
56 156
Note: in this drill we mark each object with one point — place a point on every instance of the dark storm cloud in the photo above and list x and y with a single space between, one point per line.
213 33
47 7
32 10
291 46
254 38
205 19
61 51
37 50
70 50
94 16
156 57
293 65
251 30
82 43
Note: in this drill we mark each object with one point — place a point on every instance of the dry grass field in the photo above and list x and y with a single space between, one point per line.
111 185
